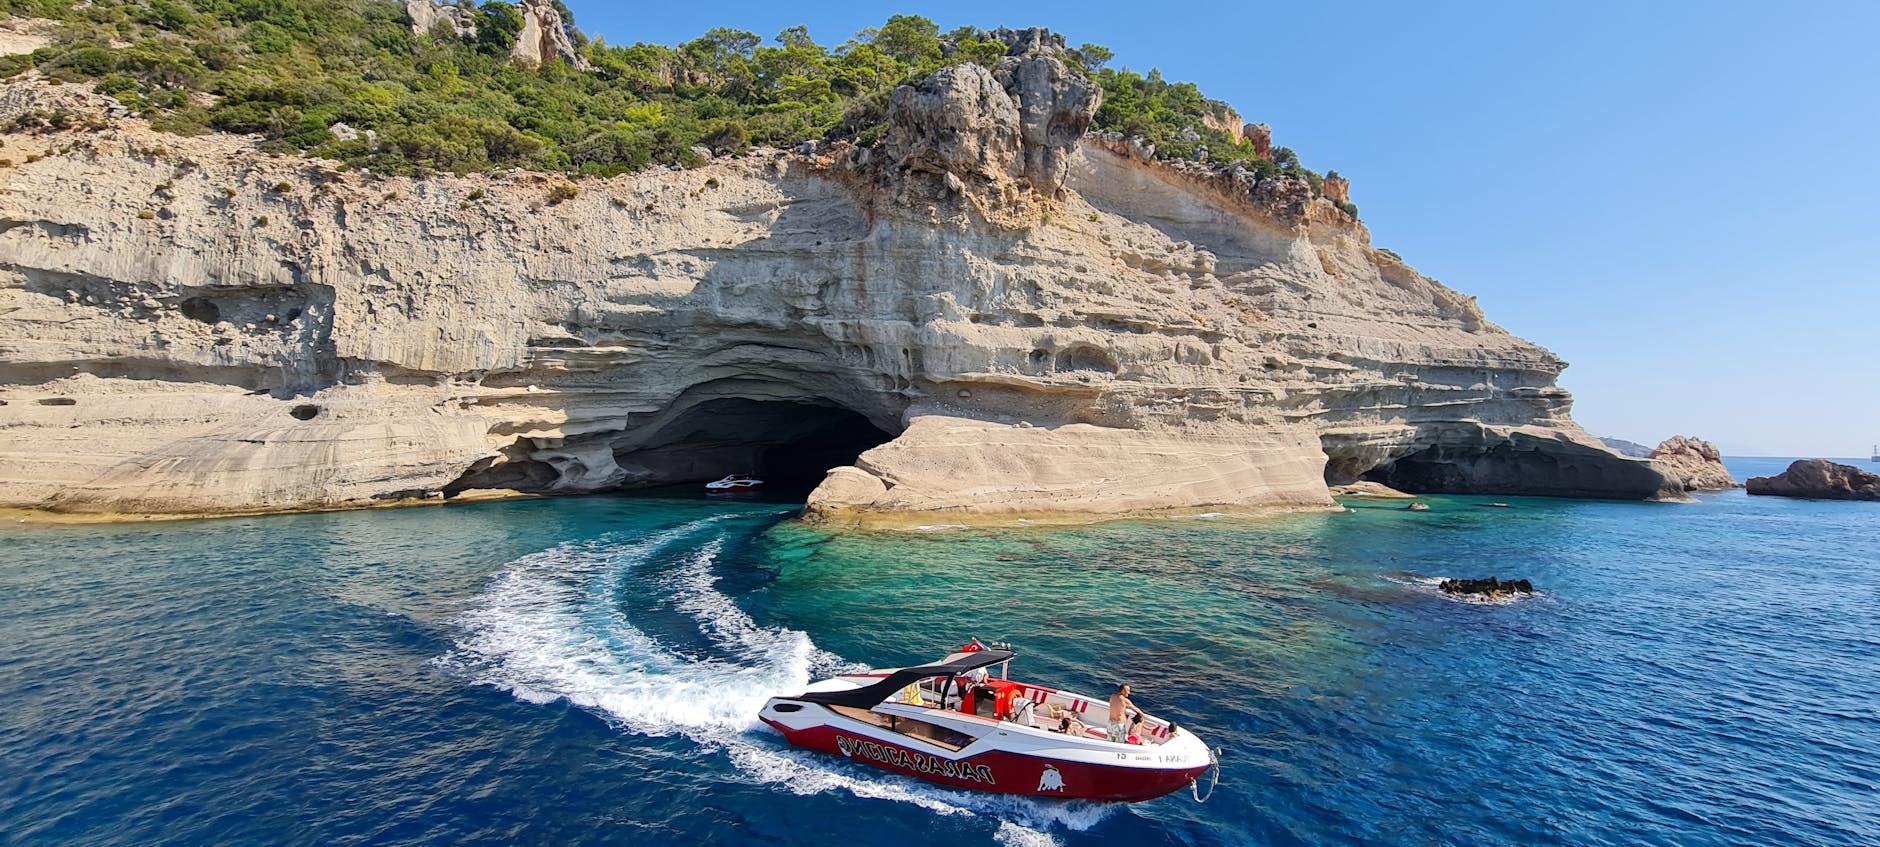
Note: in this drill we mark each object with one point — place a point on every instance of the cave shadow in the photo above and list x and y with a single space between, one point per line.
789 444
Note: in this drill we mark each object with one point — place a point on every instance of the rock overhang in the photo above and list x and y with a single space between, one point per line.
1195 346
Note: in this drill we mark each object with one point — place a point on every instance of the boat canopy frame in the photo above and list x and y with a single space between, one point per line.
871 695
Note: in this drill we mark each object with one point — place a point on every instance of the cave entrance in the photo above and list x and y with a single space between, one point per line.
791 445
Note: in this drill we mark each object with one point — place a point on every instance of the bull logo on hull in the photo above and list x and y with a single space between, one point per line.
1050 780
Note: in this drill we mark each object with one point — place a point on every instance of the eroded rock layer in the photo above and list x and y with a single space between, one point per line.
981 317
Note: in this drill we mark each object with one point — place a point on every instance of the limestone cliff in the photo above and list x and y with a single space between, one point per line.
997 318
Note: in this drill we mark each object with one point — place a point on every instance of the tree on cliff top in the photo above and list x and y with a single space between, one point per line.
289 70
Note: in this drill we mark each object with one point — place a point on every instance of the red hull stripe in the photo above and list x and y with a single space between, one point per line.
997 770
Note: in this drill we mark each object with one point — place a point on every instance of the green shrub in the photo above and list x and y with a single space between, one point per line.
288 69
562 193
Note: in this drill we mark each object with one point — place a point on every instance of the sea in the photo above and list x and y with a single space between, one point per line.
586 671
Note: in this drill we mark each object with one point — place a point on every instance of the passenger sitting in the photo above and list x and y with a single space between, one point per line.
1067 721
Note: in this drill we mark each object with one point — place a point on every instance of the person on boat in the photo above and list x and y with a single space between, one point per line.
1120 707
1067 721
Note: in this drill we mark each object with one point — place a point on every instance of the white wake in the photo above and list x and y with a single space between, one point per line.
549 628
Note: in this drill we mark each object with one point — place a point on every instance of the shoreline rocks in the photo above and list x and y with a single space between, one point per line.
1694 463
1818 479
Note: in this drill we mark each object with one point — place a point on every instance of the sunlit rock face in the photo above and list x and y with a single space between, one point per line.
983 316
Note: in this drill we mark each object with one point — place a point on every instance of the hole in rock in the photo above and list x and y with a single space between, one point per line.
201 309
790 445
1084 357
305 411
58 401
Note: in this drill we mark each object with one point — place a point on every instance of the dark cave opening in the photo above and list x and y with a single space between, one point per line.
791 445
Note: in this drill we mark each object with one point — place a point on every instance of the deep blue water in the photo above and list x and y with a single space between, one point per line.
584 671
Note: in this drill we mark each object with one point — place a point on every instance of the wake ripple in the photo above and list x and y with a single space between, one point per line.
549 628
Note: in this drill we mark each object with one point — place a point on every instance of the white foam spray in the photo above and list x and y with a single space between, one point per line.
548 628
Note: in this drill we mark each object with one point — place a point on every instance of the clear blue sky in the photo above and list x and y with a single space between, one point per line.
1678 198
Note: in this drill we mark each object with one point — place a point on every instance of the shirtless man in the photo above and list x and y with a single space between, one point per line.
1120 707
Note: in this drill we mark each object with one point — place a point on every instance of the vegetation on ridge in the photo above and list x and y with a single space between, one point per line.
289 70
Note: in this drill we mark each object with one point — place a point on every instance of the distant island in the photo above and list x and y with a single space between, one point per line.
305 255
1626 448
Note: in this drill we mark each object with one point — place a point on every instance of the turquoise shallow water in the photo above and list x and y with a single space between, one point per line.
584 671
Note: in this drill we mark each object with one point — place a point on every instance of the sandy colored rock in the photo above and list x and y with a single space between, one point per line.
1818 479
1369 489
959 120
24 35
1222 118
1694 463
544 36
1261 137
425 14
1152 338
1337 189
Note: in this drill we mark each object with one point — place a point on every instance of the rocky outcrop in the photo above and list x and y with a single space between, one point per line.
198 326
1818 479
1055 105
1369 489
1694 463
1020 120
1222 118
544 36
958 121
1336 188
1486 589
426 14
1261 136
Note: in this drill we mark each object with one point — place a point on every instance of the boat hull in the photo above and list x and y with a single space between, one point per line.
997 771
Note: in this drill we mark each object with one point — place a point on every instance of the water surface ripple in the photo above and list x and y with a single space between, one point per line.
584 672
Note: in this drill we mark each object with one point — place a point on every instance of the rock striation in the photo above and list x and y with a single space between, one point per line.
982 316
1818 479
1694 463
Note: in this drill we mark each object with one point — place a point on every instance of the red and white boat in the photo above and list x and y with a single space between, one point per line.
944 723
735 484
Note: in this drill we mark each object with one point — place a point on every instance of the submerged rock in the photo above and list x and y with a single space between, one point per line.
1818 479
1694 462
1487 588
1418 507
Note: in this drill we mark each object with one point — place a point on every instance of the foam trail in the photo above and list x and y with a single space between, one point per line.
695 593
548 627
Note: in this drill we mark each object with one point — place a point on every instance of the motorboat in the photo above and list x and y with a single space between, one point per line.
735 484
954 723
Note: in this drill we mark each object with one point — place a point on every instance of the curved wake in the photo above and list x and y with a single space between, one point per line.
551 627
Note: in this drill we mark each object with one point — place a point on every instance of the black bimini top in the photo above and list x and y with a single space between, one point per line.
868 695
